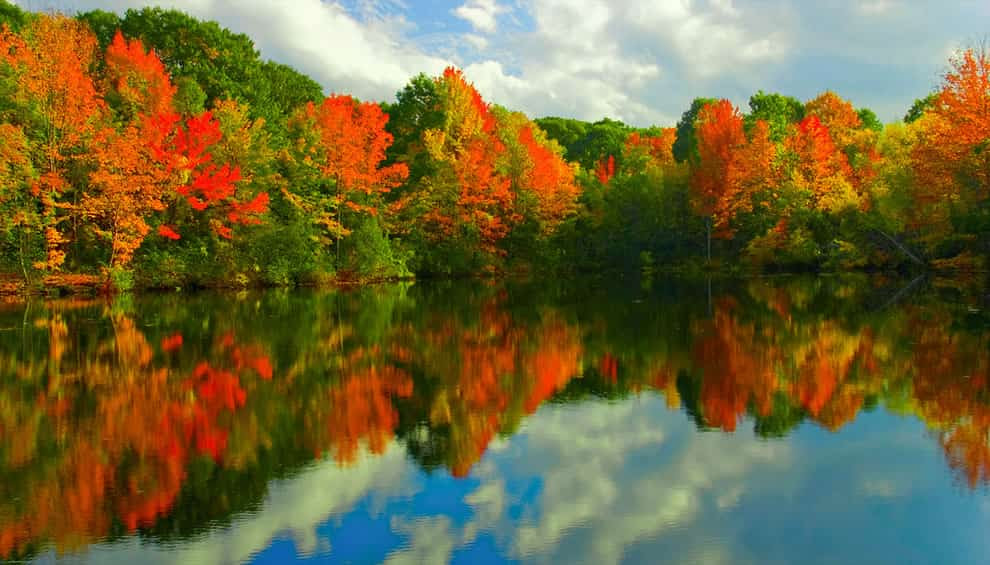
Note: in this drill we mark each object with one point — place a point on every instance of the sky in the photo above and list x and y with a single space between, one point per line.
606 482
640 62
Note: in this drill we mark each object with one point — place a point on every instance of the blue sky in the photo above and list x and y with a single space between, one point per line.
641 62
610 482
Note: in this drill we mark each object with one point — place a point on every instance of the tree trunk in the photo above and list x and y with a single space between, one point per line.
708 237
903 249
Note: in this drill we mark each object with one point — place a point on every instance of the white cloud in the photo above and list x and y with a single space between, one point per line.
477 41
481 14
642 62
875 6
295 507
613 475
371 58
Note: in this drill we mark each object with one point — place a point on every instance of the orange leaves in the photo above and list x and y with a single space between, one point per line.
720 135
964 97
820 167
659 148
138 77
352 146
756 169
51 64
550 178
837 115
952 158
470 192
817 154
345 142
15 161
128 185
362 410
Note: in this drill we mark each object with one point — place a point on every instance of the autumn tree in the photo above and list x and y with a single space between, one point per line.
345 142
818 166
952 158
720 135
57 100
466 202
605 170
201 184
686 144
854 138
543 183
130 180
658 147
137 82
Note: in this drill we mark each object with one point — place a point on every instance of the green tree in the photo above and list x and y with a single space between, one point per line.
12 16
686 145
777 110
920 106
565 131
869 120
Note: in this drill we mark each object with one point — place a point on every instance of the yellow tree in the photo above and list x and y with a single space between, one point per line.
469 192
542 181
58 99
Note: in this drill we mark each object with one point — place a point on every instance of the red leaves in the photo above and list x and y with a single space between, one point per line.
605 170
223 231
211 185
172 342
247 212
168 233
185 148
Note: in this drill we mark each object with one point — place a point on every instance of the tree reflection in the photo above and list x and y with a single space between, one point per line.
169 415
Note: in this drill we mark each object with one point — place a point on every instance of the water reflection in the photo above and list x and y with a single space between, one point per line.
211 425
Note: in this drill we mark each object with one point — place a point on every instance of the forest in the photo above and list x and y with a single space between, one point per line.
154 150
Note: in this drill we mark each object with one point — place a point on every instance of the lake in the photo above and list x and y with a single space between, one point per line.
772 420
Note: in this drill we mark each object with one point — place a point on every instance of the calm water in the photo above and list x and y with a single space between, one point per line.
764 421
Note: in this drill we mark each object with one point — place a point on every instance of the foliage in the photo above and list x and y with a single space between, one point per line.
157 144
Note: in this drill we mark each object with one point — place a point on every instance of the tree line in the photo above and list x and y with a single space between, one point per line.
152 149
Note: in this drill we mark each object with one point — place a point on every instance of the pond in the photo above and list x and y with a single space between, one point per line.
774 420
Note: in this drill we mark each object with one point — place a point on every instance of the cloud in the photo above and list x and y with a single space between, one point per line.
369 56
875 6
612 476
481 14
295 506
642 62
477 41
